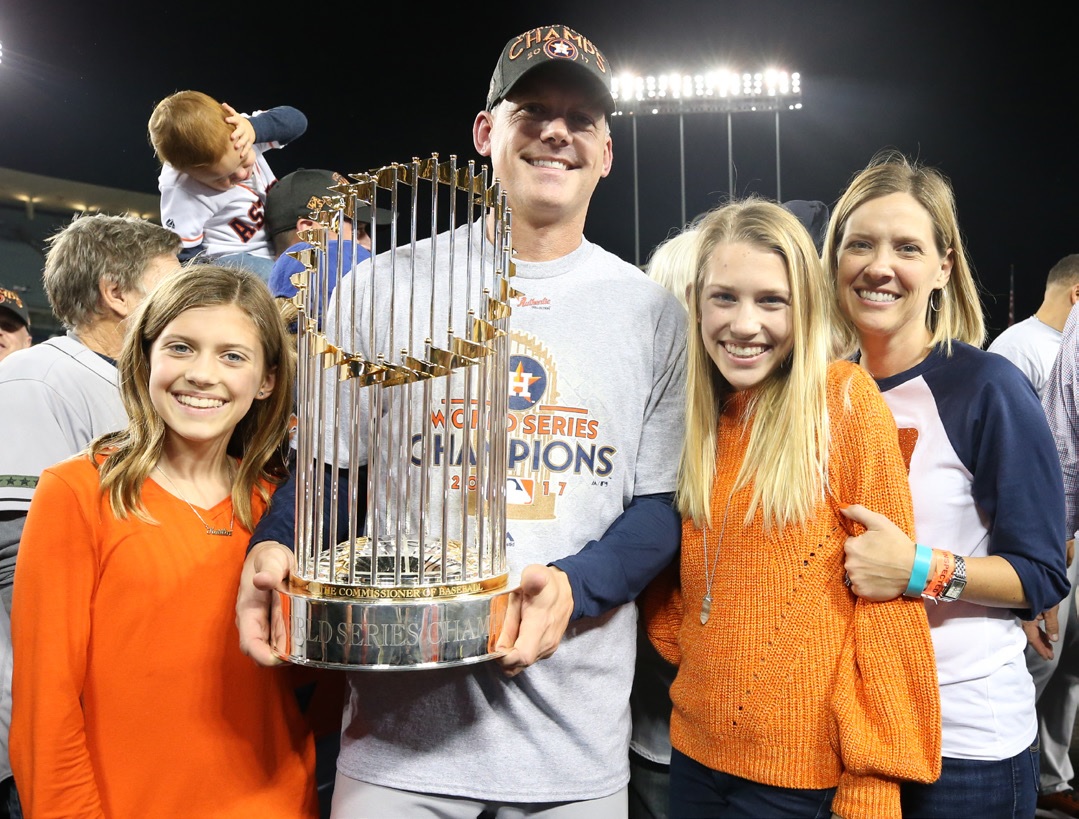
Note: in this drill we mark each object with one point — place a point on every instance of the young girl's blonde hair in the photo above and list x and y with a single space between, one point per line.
259 439
787 452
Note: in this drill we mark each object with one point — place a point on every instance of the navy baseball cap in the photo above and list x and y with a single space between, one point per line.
545 46
297 194
9 300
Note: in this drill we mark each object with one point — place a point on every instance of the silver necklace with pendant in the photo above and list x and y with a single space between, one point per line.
709 576
210 530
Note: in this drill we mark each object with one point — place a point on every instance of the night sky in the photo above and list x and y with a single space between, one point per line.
979 94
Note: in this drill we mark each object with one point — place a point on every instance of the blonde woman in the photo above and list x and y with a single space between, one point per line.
986 481
792 697
131 697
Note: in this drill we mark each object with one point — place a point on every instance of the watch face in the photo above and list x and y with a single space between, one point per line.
955 588
957 583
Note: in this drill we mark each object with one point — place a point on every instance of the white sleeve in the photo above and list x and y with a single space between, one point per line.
183 212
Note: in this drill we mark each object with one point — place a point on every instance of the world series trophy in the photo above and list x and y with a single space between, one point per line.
402 377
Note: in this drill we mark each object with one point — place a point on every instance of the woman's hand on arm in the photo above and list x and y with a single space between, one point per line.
878 561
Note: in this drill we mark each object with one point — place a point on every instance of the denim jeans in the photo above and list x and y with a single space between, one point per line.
9 800
258 264
648 786
1004 789
698 792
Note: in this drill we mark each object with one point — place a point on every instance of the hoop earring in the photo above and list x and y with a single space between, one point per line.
936 305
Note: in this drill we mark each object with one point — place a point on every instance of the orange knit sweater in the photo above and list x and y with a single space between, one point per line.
794 682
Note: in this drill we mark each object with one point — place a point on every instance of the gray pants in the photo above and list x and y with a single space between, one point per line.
1056 682
353 799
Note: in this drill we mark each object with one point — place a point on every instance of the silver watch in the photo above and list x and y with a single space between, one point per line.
957 583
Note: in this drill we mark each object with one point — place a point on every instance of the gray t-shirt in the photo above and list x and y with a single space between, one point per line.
596 343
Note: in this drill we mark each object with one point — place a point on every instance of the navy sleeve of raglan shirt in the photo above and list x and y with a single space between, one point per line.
635 548
998 429
279 521
281 125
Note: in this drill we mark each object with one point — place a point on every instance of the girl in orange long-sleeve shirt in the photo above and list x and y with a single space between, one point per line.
131 697
792 697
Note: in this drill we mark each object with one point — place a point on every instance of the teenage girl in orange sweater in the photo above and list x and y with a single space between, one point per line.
131 697
792 697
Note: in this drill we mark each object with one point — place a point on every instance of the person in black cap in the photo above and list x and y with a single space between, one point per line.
512 736
14 323
14 335
289 206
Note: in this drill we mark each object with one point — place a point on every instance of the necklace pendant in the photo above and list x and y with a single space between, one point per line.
706 608
210 530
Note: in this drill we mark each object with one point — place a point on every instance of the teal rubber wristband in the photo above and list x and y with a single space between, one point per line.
919 572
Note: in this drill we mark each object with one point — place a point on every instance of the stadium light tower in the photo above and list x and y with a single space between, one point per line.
722 91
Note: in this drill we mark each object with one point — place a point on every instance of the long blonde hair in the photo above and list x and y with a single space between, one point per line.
787 452
259 438
957 315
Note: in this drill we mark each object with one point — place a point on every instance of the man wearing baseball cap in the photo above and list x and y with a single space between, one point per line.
290 205
514 736
14 323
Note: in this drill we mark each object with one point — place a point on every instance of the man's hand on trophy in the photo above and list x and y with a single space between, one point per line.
536 619
267 566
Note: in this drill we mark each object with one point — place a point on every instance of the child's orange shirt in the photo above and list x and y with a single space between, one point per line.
130 695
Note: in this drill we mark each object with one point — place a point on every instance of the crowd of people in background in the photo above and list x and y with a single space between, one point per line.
830 573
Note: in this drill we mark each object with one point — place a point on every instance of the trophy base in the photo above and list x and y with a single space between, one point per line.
386 633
